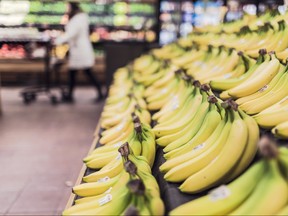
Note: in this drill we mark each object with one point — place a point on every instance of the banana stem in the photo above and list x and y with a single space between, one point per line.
130 168
268 147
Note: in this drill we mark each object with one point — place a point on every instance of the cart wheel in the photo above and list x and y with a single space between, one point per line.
26 98
33 97
54 100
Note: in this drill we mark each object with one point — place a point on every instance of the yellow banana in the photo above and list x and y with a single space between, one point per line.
194 161
281 130
221 164
211 121
266 201
226 198
253 84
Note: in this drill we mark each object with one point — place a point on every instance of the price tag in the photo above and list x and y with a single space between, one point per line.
105 179
118 157
219 193
120 127
105 199
263 88
228 75
117 144
198 147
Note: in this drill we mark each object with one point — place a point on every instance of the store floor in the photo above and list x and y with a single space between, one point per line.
41 147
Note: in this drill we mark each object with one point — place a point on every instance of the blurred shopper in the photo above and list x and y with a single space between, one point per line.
81 54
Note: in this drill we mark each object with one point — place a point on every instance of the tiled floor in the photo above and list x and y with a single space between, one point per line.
41 151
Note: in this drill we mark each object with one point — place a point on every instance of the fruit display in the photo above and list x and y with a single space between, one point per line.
12 51
20 34
133 191
126 134
214 104
251 193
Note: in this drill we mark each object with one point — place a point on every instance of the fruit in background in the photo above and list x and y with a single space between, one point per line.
12 51
120 20
94 37
61 51
120 8
35 6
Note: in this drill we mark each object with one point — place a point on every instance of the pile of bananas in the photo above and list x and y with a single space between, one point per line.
248 20
197 133
134 191
125 119
251 193
201 99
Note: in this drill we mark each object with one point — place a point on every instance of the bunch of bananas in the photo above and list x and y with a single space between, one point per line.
202 162
260 190
125 119
271 36
134 191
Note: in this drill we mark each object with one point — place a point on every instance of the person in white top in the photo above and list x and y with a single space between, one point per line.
81 54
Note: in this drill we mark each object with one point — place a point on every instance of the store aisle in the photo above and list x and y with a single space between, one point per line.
41 148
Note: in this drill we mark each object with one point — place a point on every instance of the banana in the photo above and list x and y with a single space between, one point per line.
283 161
153 67
159 84
188 57
110 122
112 169
221 164
110 204
182 167
265 89
186 117
97 161
113 132
148 144
124 135
211 121
281 130
95 188
283 55
191 129
142 63
169 111
273 115
164 92
226 67
261 201
250 148
226 198
233 82
273 96
283 211
253 84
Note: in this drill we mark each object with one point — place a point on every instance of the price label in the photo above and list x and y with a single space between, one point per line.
263 88
198 147
219 193
105 199
105 179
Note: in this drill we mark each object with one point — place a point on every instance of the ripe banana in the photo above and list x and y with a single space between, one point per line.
218 167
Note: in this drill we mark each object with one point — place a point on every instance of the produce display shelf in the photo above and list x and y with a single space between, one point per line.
23 40
170 193
91 14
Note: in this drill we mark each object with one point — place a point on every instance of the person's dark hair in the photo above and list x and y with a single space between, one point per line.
74 9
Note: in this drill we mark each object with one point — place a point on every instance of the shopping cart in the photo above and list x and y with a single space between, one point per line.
52 66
